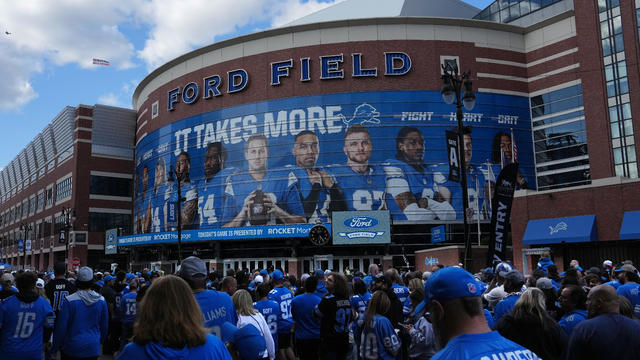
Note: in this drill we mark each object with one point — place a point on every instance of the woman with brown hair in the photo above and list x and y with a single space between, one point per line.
170 326
248 315
378 339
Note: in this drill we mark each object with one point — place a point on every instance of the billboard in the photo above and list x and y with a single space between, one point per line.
296 160
361 227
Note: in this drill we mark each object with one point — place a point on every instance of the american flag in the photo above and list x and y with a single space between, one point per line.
100 62
514 148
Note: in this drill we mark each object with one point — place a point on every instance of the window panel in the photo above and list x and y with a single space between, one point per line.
617 156
615 130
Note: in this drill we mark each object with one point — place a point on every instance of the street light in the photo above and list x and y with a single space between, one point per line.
452 84
68 218
25 228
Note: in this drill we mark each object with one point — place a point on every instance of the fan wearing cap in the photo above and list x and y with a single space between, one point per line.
281 295
495 291
630 288
513 281
321 289
25 320
216 306
606 334
452 297
83 320
244 343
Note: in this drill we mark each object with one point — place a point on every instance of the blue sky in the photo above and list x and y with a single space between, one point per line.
46 60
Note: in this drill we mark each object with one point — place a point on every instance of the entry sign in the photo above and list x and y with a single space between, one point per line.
75 262
437 234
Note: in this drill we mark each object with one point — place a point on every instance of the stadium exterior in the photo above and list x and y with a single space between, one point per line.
557 80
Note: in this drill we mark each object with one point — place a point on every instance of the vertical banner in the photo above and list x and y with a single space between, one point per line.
111 241
452 151
501 213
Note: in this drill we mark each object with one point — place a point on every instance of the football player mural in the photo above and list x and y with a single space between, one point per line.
297 160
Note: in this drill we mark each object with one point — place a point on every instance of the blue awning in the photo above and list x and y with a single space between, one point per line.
630 229
562 229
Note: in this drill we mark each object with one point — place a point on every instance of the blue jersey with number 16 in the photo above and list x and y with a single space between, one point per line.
270 310
21 325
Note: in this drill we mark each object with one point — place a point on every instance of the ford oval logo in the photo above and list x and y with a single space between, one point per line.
361 222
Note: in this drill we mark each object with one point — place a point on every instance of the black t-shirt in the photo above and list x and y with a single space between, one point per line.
57 290
335 319
606 336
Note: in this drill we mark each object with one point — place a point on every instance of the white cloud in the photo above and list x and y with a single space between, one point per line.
59 33
177 27
110 99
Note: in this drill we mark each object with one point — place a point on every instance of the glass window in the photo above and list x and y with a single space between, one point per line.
535 4
604 29
619 42
559 152
615 130
105 221
631 153
514 11
103 185
617 25
32 205
617 155
606 47
525 8
555 119
628 127
563 165
572 178
47 227
49 196
63 189
40 201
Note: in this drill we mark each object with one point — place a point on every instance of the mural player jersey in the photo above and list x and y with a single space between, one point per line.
145 204
486 346
211 199
271 312
379 341
304 186
159 198
283 297
477 199
362 191
217 308
22 325
401 175
277 183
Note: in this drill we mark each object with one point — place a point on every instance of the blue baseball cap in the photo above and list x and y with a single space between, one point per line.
248 340
264 272
277 275
319 273
108 277
451 283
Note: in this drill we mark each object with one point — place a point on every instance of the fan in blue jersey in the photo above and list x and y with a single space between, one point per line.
411 183
452 297
81 326
217 307
378 339
143 215
401 291
307 328
319 192
129 307
25 320
188 191
359 302
159 198
364 185
211 190
630 288
261 196
477 184
269 309
281 295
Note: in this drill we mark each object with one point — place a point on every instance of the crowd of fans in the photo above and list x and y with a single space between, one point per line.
445 313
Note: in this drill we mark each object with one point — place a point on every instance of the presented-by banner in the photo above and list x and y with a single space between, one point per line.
501 214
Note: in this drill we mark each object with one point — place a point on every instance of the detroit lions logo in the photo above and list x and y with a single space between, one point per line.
560 226
364 114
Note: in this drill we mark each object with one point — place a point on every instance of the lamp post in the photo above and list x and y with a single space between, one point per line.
452 83
68 218
24 228
178 176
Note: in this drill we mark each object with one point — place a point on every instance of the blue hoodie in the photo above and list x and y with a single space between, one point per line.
544 263
213 349
81 325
